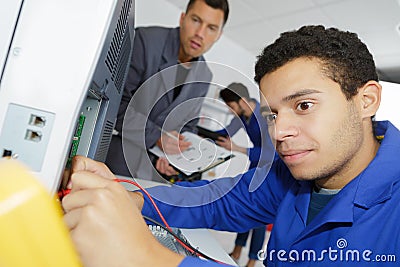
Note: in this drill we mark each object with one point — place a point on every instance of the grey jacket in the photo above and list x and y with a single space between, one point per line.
147 103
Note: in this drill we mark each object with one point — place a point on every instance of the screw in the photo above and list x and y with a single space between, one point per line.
17 51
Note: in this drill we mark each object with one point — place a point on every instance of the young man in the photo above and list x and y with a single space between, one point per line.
333 195
163 82
247 116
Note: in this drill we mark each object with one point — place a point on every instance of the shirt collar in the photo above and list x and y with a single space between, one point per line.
376 181
372 186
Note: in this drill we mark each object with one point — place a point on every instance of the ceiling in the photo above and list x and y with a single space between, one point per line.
255 23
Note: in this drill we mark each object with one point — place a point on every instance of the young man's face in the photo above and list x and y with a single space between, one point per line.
318 133
200 28
235 108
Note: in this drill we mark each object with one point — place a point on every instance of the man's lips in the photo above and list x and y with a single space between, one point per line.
293 155
194 44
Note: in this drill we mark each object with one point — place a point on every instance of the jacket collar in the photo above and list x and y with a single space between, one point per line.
171 49
376 181
170 59
373 186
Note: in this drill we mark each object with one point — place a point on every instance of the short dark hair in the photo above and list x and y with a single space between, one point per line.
234 92
216 4
344 58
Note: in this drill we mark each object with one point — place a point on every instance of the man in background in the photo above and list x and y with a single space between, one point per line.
167 81
247 116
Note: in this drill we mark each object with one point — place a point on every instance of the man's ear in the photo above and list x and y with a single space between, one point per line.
370 98
181 19
220 34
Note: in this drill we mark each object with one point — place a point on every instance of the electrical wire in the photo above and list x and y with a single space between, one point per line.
63 192
183 243
148 195
186 245
194 251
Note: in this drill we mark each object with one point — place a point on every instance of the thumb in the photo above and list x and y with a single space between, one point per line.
80 163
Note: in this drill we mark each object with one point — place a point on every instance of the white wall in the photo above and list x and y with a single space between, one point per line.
389 103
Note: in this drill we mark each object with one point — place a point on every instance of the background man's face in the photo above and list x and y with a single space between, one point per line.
200 28
235 108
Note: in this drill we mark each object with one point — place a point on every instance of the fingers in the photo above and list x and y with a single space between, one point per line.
80 163
224 142
101 215
222 139
72 217
160 165
75 200
170 171
174 145
184 145
80 199
168 144
163 166
80 181
86 179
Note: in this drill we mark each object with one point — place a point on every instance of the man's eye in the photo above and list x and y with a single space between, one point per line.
270 118
304 106
213 28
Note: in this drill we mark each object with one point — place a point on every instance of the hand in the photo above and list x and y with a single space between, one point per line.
81 163
106 226
227 143
172 145
162 165
84 164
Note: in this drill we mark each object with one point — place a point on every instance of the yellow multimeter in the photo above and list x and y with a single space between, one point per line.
31 227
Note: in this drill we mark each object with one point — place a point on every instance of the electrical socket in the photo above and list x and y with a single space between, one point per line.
26 133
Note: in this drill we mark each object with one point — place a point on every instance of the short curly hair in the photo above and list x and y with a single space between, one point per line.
344 58
234 92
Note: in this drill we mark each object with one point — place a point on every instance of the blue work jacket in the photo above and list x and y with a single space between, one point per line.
360 226
254 127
